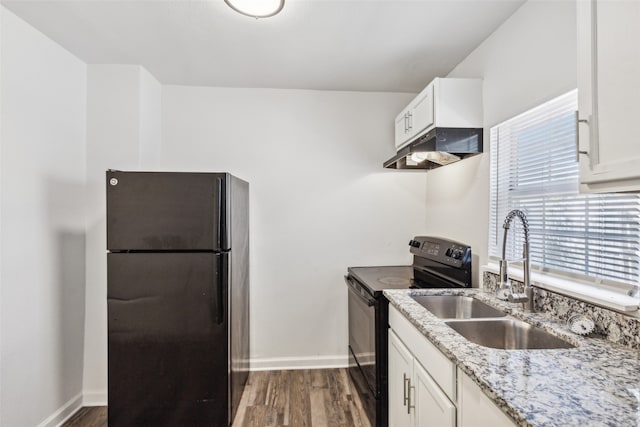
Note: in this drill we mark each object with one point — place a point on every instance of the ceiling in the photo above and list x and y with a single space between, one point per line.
361 45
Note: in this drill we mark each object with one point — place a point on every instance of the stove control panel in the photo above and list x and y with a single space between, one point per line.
444 251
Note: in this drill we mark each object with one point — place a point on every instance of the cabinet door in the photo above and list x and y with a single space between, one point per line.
402 132
400 377
608 69
421 112
433 407
476 409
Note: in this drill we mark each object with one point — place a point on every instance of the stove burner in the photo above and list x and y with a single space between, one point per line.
394 281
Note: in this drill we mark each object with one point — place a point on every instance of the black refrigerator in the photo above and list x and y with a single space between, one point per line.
177 297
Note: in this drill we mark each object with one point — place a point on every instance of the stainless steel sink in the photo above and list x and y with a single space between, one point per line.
456 307
508 334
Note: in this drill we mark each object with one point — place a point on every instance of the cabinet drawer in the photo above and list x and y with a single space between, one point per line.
441 369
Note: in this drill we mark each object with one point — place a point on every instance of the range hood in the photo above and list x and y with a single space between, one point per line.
438 147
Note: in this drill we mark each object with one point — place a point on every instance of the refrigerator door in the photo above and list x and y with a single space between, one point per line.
158 211
167 322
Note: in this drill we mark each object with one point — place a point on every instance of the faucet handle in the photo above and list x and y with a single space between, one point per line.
518 298
504 290
504 274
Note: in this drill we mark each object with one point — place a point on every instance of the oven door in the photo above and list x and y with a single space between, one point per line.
362 345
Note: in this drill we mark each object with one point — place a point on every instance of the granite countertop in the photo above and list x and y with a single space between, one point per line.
597 383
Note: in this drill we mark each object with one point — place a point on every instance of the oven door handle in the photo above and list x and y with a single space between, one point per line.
353 288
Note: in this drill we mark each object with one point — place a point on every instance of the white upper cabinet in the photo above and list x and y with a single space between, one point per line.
415 117
402 130
445 102
421 111
608 95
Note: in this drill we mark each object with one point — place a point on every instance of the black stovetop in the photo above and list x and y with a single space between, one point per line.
375 279
437 263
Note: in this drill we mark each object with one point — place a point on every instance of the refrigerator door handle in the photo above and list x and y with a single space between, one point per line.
219 224
220 284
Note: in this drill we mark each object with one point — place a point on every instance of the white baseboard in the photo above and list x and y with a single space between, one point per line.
64 412
310 362
94 398
99 397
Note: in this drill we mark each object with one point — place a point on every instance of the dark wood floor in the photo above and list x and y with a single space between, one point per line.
95 416
317 397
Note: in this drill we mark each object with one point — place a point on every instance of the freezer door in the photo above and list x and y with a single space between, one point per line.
168 342
166 211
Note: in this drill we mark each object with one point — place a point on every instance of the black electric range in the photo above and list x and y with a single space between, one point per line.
437 263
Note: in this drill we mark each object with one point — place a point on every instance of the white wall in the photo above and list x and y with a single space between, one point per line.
42 179
320 201
150 127
112 142
531 58
2 38
123 132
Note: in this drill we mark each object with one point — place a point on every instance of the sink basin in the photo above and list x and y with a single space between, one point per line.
456 307
507 334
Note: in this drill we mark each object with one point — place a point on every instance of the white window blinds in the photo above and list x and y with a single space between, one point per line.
534 168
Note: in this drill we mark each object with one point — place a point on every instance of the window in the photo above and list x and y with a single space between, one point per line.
534 168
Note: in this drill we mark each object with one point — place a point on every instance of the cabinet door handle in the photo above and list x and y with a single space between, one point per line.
410 121
409 405
406 123
404 389
578 121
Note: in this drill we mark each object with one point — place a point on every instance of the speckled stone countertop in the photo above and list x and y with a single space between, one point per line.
595 384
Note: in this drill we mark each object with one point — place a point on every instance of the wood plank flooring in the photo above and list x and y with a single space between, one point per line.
300 398
95 416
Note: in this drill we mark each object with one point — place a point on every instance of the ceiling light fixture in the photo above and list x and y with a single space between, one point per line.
256 8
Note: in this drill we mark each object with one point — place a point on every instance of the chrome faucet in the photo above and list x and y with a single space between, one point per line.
505 290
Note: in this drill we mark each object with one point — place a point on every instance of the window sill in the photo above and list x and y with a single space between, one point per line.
607 298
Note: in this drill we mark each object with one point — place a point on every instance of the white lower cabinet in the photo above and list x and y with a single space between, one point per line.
433 407
427 390
475 408
414 398
400 376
